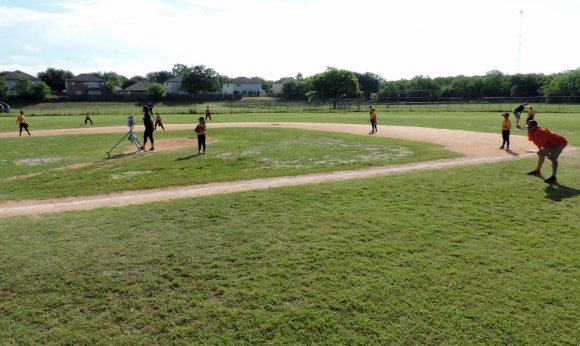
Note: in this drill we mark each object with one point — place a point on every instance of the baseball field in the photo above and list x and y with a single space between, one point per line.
292 229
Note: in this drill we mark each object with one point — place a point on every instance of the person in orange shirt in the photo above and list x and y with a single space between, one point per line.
200 130
373 121
505 131
550 145
22 123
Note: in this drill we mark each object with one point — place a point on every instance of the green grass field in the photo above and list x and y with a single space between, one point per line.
474 255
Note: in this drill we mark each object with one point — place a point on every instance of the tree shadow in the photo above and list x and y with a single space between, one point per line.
557 192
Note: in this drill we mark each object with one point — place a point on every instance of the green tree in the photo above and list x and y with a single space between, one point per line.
200 78
266 84
55 79
113 80
40 91
389 90
156 92
3 89
566 85
333 84
23 87
526 85
294 89
159 76
178 69
494 84
422 87
369 83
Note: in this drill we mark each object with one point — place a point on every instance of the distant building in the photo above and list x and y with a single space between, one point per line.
139 88
11 79
277 85
173 86
86 85
243 86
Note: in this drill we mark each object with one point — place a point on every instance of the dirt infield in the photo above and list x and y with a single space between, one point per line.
476 147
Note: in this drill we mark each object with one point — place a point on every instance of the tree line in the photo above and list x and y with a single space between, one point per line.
333 84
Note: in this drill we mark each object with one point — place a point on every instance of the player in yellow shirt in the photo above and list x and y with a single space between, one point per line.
21 121
505 131
207 113
531 115
88 118
158 121
200 130
373 116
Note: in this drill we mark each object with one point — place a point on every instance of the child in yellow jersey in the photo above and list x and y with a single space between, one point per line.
22 123
505 131
88 118
200 130
207 113
531 114
373 115
158 121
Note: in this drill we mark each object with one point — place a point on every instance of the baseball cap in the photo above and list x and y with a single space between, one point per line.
504 114
532 123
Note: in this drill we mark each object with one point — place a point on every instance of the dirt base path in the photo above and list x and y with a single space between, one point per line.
476 147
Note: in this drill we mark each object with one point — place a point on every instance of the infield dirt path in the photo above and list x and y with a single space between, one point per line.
476 147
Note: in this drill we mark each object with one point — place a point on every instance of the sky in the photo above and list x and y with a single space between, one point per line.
272 39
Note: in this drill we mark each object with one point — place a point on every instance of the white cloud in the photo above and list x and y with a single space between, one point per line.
275 38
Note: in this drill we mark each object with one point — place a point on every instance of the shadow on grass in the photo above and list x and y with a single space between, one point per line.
557 192
187 157
119 156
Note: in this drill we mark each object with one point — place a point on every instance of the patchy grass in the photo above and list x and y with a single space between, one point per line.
443 257
234 154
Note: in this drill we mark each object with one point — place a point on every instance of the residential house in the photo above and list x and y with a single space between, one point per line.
173 86
86 85
242 86
11 79
277 85
139 88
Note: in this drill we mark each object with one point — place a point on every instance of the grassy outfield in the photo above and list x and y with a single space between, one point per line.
43 167
475 255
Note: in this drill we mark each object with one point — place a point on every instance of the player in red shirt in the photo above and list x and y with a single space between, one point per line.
550 145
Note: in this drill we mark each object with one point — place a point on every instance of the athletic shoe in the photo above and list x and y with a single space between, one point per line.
536 173
551 180
518 127
151 149
501 147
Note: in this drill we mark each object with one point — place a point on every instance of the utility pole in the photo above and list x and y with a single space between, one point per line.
520 42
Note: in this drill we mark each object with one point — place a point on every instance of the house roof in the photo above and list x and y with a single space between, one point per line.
86 78
17 74
141 85
244 80
176 79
